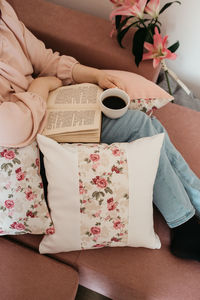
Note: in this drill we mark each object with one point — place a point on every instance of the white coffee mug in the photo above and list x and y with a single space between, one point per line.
111 112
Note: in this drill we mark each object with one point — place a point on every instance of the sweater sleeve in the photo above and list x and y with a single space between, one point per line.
21 119
46 62
23 115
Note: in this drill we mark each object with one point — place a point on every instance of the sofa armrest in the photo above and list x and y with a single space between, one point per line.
81 35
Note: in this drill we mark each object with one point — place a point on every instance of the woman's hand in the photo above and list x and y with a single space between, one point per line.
43 85
106 81
81 73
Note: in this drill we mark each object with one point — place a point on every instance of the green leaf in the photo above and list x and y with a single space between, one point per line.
138 44
100 201
87 160
16 161
3 166
150 33
121 34
97 224
117 21
145 20
108 190
174 47
122 31
159 22
144 109
123 23
168 5
108 179
126 196
96 195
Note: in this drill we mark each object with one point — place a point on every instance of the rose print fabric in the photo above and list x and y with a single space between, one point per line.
147 104
104 195
22 204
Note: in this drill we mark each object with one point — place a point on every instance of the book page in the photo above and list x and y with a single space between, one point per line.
60 121
81 95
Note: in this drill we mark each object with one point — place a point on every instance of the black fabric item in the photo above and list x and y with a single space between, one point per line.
43 175
185 241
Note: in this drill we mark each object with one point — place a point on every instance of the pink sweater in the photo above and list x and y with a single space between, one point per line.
22 114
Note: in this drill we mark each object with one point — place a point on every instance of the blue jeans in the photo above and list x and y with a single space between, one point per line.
176 188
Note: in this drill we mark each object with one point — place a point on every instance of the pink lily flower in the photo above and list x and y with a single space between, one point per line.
130 9
153 8
158 50
138 8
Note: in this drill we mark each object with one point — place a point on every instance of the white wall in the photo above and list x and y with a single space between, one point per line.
180 22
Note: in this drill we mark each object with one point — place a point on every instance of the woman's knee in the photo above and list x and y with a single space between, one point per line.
136 118
135 114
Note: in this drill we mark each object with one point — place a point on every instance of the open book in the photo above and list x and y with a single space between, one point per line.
73 114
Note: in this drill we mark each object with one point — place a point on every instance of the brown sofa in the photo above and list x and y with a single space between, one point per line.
118 273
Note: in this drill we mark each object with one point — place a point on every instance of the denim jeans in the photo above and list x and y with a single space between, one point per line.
176 188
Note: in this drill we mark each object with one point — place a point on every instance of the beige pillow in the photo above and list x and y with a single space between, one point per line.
100 195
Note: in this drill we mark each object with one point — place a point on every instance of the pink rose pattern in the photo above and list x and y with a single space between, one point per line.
148 104
104 195
22 204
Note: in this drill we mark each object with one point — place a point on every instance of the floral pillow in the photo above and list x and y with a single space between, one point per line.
145 95
148 104
100 195
22 205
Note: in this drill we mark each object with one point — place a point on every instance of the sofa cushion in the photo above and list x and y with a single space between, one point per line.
139 273
25 274
22 205
33 242
100 195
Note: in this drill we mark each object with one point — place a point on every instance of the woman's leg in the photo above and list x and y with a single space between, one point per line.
170 195
189 180
176 188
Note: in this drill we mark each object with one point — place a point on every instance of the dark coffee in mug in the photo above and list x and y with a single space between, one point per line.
114 102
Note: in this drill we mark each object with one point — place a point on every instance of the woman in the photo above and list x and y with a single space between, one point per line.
22 116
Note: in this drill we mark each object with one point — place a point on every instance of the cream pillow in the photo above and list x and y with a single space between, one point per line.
100 195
